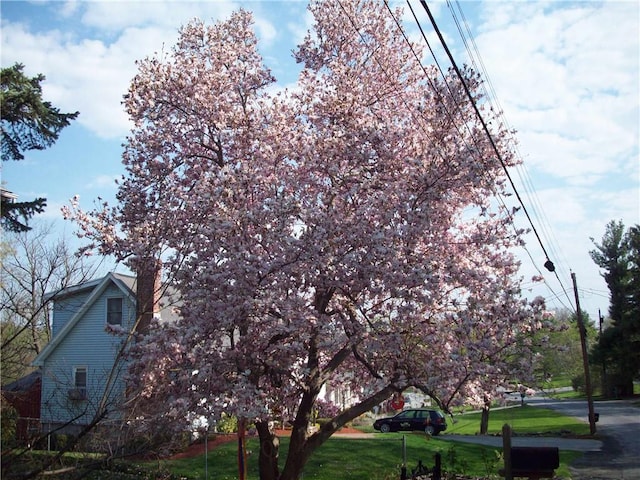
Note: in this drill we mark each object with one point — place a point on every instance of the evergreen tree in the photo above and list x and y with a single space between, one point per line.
618 350
28 123
633 243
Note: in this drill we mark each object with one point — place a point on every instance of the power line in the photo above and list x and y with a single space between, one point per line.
492 97
525 179
448 113
548 264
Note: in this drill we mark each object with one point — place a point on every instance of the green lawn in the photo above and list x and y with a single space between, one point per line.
558 381
380 458
523 419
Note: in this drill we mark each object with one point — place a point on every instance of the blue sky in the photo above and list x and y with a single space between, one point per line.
566 75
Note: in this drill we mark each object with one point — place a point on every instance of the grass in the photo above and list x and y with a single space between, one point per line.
523 420
377 458
558 381
380 458
568 395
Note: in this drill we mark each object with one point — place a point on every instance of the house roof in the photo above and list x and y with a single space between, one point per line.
98 286
129 281
24 383
7 195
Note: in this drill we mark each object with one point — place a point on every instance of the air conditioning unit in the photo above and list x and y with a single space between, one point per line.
77 394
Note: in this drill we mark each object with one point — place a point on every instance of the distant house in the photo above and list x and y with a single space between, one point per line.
24 395
82 369
7 196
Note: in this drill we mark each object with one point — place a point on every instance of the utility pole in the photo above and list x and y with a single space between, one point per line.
604 363
585 359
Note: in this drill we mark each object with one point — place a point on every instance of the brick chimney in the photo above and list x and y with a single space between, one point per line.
148 291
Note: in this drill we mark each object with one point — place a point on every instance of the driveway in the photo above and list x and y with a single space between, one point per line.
619 430
613 455
580 445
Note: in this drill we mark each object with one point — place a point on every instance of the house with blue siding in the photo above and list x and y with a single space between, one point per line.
82 367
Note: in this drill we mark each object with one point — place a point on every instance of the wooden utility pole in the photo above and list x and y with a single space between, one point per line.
605 388
585 358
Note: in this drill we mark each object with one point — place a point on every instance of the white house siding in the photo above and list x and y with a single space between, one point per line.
89 345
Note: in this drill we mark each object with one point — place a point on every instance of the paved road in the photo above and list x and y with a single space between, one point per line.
613 455
619 430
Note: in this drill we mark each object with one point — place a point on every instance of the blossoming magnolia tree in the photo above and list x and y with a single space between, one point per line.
345 232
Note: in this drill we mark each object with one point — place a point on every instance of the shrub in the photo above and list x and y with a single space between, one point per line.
227 424
9 420
326 409
578 383
60 441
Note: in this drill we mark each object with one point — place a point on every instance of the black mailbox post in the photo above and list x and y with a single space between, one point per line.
528 462
534 462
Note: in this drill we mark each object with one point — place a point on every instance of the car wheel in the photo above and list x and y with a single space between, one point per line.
385 428
429 430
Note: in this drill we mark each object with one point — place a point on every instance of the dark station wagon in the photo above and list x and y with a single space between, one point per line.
428 421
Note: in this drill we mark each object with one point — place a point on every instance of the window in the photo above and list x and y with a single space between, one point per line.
406 415
80 377
79 392
114 311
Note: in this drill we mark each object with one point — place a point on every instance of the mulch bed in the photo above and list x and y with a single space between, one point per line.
196 449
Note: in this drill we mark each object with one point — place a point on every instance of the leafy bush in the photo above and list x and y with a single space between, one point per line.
127 471
322 421
326 409
59 441
578 383
227 424
9 420
365 419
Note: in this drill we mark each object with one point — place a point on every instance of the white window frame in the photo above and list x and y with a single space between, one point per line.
79 391
108 312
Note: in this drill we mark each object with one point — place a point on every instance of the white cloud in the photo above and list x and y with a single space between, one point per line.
87 76
116 15
568 209
565 73
91 74
102 182
69 8
265 31
568 81
567 77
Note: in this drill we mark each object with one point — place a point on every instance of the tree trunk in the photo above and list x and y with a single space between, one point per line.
269 450
300 449
302 445
484 420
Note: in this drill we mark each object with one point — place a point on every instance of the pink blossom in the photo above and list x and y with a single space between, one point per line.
320 236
